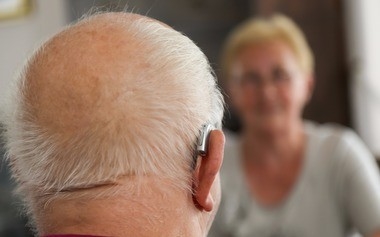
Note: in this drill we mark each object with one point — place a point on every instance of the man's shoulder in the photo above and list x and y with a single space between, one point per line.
72 235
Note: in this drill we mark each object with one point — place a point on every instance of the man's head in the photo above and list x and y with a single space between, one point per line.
108 107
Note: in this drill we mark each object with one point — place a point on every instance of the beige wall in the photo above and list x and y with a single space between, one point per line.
19 37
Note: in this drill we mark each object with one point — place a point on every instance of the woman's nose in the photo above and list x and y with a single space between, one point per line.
268 89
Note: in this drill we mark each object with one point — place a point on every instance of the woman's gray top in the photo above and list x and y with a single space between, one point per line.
338 190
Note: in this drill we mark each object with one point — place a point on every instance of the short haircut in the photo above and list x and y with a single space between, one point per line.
261 30
148 127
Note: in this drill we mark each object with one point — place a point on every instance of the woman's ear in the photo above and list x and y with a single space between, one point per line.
207 170
309 86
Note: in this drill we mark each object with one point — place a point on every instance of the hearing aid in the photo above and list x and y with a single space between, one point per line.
202 146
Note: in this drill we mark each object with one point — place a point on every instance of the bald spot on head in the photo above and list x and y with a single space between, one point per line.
81 76
114 95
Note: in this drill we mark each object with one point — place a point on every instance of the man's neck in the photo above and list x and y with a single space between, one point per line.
152 211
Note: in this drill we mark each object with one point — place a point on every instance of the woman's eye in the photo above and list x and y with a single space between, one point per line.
280 75
251 78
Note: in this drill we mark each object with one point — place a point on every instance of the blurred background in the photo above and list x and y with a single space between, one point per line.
344 36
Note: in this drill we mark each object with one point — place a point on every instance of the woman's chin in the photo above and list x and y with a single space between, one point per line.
270 124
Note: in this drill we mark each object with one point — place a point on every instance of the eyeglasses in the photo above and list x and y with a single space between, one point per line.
278 77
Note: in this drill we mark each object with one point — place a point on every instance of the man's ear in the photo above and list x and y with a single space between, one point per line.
207 170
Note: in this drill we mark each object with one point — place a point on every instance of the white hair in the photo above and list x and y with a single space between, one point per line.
153 133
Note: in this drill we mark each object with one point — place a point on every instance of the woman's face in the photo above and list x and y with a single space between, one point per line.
268 87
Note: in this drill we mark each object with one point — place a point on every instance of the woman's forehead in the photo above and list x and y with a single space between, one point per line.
266 54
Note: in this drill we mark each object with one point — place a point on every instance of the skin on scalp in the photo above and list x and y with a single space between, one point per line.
83 93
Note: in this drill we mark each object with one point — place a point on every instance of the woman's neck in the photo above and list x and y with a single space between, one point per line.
261 145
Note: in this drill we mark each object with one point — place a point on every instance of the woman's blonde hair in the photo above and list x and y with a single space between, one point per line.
259 30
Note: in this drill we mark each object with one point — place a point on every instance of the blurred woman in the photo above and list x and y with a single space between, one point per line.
284 176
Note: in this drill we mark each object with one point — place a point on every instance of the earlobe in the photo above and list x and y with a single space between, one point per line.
207 171
310 87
